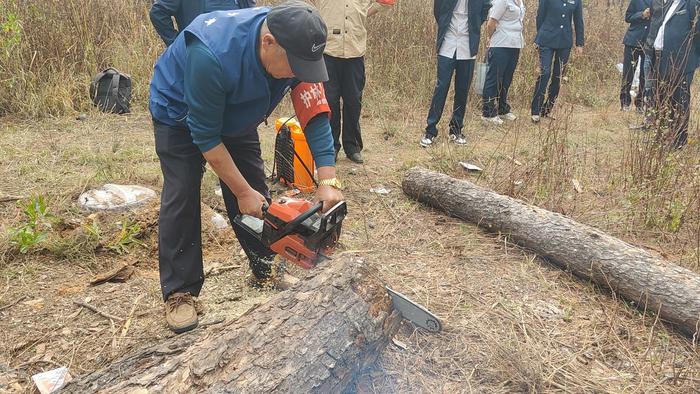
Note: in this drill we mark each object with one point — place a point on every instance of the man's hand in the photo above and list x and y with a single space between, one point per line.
251 202
646 14
329 195
579 50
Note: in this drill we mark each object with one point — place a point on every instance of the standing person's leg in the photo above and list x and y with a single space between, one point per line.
247 156
650 86
179 225
492 84
649 77
546 55
628 63
640 59
513 56
445 69
353 83
464 72
332 88
681 110
561 58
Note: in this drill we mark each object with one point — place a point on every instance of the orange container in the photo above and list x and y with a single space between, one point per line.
300 174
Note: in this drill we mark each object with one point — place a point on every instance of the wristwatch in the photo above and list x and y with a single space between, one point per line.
333 182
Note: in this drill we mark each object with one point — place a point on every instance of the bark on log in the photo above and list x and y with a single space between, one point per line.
638 276
316 337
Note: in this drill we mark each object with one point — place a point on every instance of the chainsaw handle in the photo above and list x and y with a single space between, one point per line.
291 226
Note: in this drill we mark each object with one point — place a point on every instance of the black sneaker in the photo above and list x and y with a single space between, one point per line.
427 140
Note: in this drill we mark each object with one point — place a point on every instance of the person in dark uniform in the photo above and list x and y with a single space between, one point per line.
677 52
554 40
638 15
184 12
657 11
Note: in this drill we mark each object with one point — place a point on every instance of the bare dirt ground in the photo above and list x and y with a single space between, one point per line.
513 323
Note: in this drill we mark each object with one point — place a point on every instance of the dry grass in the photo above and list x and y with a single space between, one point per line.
49 52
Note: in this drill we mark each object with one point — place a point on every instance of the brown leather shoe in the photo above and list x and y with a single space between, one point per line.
180 312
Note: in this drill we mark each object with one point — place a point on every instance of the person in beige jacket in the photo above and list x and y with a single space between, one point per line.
344 55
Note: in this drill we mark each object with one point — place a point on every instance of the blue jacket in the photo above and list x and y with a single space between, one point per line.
233 40
639 27
554 18
185 11
211 82
478 13
681 40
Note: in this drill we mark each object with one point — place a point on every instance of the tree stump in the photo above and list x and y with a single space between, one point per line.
652 283
316 337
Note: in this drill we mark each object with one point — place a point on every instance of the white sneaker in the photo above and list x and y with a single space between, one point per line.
535 118
495 120
458 139
509 116
427 140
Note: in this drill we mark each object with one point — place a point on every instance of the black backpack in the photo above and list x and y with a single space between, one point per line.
110 91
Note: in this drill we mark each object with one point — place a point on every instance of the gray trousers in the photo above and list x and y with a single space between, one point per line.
179 223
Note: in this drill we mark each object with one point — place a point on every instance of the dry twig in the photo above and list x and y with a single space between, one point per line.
10 305
99 312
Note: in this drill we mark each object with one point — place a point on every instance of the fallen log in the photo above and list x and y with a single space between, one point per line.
652 283
316 337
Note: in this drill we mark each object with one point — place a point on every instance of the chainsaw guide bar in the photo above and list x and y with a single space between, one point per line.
413 312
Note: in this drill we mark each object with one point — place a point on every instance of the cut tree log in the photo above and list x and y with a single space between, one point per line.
651 282
316 337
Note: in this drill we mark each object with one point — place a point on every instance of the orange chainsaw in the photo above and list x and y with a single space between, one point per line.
297 230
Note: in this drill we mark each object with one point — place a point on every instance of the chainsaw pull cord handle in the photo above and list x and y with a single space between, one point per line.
291 226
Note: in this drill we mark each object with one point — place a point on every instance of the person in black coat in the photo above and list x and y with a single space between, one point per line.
554 40
458 35
677 51
184 12
638 15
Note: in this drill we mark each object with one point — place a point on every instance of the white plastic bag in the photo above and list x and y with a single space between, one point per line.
111 197
480 77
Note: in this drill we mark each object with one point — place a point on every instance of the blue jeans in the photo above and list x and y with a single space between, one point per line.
464 71
502 64
649 77
547 73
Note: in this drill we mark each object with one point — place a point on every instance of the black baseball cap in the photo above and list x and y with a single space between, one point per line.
300 30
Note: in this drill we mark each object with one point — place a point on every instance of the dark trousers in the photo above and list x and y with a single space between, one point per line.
548 73
463 71
632 57
346 80
502 64
179 224
674 103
